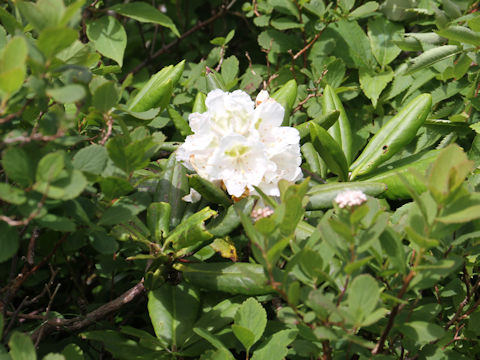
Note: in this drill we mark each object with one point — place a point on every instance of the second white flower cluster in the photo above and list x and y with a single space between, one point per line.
242 144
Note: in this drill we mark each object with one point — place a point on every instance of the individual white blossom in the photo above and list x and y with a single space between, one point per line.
241 143
350 198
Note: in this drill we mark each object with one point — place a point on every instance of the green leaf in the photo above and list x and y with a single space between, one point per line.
244 335
158 219
53 40
285 7
393 135
364 10
351 44
103 243
341 130
67 94
209 191
68 185
158 90
250 322
229 71
363 295
57 223
45 13
19 166
432 56
460 34
191 233
233 278
109 37
179 122
221 348
373 84
173 311
275 348
52 356
324 120
114 187
105 96
12 65
73 352
421 332
50 166
286 96
21 347
123 210
129 156
91 159
8 241
420 240
285 23
329 150
145 13
382 34
463 216
448 172
12 194
322 196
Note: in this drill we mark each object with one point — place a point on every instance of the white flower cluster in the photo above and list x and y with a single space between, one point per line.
350 198
261 213
242 145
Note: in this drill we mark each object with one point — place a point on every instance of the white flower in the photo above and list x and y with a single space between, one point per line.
193 197
240 145
350 198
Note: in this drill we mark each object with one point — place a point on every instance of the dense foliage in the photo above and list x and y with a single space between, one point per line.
102 257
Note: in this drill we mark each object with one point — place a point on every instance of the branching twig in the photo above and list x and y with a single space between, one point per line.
79 323
223 10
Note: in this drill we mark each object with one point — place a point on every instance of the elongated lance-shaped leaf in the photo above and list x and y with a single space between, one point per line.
157 91
341 130
432 56
329 150
324 120
286 96
461 34
322 196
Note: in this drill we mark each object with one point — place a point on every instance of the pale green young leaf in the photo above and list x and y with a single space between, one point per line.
67 94
146 13
373 84
109 37
252 316
275 348
50 166
92 159
363 295
382 34
53 40
21 347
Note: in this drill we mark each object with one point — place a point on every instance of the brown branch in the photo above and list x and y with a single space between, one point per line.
34 137
223 10
15 114
396 309
81 322
306 47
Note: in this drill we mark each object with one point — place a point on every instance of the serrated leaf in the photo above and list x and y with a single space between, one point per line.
252 317
373 84
91 159
109 37
382 34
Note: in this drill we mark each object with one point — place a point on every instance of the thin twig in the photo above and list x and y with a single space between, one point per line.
223 10
81 322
